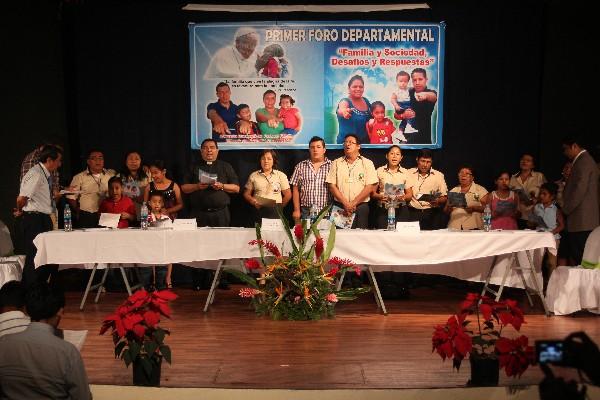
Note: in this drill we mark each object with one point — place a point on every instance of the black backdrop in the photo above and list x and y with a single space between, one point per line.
519 75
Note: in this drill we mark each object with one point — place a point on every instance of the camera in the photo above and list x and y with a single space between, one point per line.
552 352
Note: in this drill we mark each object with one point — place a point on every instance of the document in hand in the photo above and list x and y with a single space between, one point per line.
206 178
537 220
340 219
392 190
109 220
523 195
504 207
428 197
457 199
265 202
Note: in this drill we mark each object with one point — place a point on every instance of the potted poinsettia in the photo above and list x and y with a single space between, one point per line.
137 336
302 284
487 348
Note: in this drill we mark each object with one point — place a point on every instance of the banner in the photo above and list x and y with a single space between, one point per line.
381 81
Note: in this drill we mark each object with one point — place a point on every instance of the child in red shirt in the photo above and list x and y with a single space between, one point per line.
380 128
117 203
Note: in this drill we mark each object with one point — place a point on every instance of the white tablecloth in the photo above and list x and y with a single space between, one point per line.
571 289
465 255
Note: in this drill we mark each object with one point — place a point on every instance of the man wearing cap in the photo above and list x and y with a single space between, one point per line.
237 60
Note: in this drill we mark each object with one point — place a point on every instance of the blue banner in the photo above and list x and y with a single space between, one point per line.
380 81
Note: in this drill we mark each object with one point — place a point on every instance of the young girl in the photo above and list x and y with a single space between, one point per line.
135 179
291 117
549 212
504 204
380 128
171 195
117 203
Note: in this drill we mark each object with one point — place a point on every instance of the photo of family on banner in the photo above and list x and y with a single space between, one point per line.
276 85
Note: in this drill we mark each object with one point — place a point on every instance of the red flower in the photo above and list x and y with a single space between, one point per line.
299 232
332 272
510 314
341 262
451 341
270 246
251 264
318 246
514 355
249 292
357 270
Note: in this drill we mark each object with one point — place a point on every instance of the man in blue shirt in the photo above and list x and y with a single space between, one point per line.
223 115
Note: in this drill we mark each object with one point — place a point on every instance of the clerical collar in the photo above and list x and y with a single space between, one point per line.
208 162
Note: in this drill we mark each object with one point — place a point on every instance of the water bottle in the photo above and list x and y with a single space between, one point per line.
314 212
487 218
391 219
68 223
144 216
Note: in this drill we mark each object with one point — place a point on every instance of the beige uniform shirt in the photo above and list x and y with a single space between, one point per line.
432 183
351 179
400 177
268 187
532 184
460 218
93 189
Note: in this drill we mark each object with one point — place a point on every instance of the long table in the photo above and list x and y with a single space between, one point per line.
472 255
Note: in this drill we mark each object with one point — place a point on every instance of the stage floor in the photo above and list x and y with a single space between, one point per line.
230 347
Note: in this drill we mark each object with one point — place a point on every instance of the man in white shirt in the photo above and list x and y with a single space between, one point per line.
12 305
237 60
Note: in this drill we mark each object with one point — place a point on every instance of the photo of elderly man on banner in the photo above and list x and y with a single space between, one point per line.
287 82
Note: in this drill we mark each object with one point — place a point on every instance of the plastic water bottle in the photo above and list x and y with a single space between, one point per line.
68 223
487 218
391 219
314 212
144 216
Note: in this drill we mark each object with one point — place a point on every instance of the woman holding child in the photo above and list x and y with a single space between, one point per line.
353 112
466 217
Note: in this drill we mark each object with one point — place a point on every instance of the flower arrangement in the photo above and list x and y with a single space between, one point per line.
302 284
134 325
455 340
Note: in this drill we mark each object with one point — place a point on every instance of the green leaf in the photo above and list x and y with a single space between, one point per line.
166 353
330 243
127 357
150 347
146 365
286 229
260 246
243 277
134 349
159 335
119 349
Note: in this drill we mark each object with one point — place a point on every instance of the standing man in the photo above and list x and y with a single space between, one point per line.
422 103
580 197
209 202
237 60
93 187
308 181
430 183
35 203
351 180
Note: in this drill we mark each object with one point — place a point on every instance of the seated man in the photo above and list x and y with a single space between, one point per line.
12 305
36 364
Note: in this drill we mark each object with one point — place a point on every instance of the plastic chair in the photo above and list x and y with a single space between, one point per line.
11 266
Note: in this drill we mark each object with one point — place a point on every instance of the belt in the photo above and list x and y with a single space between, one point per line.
213 209
34 213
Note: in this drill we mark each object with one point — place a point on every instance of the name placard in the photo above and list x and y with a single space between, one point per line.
412 226
184 224
271 224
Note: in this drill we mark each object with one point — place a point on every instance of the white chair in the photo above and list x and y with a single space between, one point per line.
11 267
571 289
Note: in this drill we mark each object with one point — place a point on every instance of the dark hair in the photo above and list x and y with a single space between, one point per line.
287 96
210 140
160 164
114 179
355 78
269 92
467 166
402 73
377 104
49 151
241 107
273 154
221 84
425 153
93 150
43 301
570 140
419 71
12 294
499 173
392 147
157 194
316 139
352 135
126 173
551 187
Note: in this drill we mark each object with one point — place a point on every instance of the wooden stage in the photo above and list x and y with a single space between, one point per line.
230 347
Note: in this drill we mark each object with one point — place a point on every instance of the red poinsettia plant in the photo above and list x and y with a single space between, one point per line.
456 339
135 328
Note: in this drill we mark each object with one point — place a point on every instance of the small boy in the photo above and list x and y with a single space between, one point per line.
550 214
244 114
401 102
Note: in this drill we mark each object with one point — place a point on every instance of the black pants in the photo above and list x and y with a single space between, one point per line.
202 278
33 225
266 212
577 245
402 215
87 219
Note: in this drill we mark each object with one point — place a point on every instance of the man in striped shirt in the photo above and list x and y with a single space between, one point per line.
308 181
12 304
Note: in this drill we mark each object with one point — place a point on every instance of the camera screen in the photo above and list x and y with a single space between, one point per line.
549 351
